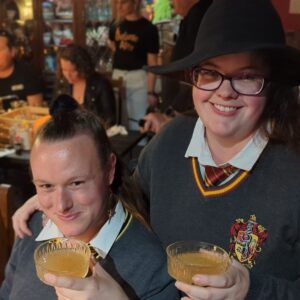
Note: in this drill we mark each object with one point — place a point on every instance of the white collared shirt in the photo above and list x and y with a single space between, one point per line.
243 160
104 239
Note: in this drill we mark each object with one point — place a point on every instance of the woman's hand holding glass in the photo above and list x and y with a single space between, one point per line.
205 271
231 285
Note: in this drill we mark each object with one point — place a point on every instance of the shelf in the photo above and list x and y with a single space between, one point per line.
60 21
46 25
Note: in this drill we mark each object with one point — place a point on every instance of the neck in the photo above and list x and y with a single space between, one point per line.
223 150
7 72
78 91
92 231
133 17
80 82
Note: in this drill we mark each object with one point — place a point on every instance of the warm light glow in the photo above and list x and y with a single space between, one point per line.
28 3
26 9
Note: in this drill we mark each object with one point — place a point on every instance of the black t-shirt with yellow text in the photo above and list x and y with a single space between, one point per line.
134 40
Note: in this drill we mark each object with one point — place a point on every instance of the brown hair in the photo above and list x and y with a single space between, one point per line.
281 116
79 57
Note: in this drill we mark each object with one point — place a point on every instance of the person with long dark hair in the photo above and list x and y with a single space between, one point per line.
76 76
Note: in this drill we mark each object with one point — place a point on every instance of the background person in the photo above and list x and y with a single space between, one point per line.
176 95
18 80
83 192
135 42
77 77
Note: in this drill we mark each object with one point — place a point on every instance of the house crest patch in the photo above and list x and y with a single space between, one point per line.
246 240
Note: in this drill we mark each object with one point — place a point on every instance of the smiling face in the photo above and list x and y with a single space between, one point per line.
229 117
71 184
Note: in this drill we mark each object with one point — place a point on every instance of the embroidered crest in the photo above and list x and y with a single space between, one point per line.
246 240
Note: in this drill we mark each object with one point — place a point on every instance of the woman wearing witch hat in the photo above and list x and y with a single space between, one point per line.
245 80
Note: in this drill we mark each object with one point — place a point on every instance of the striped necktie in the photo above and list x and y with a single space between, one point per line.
214 176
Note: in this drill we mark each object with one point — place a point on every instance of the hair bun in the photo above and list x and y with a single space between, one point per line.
62 104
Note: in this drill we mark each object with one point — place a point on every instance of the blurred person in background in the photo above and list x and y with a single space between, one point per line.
135 42
18 80
177 96
76 76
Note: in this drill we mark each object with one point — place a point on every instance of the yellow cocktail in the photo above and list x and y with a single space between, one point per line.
186 259
62 257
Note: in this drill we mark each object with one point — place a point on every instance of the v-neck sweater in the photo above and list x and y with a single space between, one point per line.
269 194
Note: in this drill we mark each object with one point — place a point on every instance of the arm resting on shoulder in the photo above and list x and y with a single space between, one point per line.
22 215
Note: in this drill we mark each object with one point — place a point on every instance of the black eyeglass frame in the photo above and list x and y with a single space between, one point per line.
265 82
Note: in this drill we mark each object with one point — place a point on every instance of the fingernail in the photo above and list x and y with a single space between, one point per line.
198 279
49 278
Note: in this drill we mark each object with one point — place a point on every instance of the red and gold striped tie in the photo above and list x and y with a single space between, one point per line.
213 175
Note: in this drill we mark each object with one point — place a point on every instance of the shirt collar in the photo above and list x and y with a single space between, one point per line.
244 160
104 239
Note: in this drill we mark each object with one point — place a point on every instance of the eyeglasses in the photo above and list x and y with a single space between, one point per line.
211 80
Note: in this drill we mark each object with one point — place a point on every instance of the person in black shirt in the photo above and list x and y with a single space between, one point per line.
18 81
135 42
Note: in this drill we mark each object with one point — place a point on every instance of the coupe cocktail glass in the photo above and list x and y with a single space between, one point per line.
62 257
188 258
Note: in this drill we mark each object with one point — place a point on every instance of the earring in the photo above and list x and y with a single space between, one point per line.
111 210
111 213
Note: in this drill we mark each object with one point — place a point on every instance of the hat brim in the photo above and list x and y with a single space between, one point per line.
285 62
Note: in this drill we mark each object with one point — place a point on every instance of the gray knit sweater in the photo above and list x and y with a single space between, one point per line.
257 219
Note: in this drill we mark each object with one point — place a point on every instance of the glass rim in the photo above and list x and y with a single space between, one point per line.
172 246
47 250
56 241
